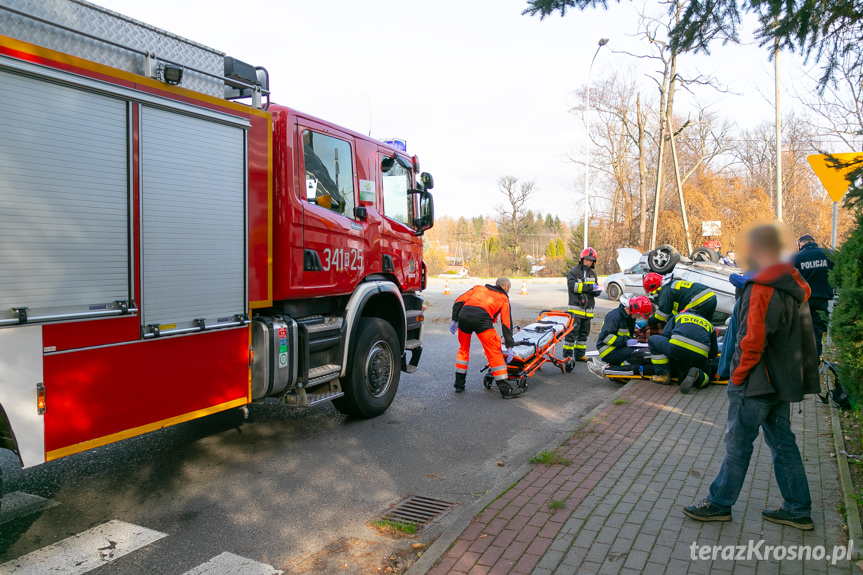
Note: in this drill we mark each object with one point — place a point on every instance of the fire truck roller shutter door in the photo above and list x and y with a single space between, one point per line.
194 234
64 199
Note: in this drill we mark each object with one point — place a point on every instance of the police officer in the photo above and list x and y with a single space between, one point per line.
814 264
475 311
583 288
686 343
616 341
676 296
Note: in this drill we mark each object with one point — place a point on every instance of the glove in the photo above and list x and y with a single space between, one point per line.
509 354
453 326
631 342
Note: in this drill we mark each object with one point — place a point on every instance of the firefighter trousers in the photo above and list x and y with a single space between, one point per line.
575 342
665 357
491 346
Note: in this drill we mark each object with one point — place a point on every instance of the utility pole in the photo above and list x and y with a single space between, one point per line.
602 42
778 134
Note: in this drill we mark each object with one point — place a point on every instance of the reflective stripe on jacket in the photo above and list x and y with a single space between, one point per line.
693 333
678 296
617 327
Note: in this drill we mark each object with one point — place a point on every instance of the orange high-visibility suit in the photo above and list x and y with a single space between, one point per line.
476 311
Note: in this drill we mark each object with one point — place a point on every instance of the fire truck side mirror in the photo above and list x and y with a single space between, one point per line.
427 181
425 221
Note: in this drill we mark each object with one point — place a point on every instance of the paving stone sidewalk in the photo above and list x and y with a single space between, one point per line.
633 466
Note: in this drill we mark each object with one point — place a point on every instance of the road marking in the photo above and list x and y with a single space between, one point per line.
19 504
85 551
230 564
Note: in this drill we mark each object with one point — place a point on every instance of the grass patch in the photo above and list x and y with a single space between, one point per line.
546 457
620 401
555 504
395 526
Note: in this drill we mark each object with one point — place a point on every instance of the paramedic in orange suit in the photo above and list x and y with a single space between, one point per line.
476 311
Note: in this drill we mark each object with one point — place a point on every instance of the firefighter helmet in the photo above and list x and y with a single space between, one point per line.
640 305
652 282
588 254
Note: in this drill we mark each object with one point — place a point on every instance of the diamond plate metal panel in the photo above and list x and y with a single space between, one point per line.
91 19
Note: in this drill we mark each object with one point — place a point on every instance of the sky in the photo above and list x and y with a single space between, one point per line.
477 90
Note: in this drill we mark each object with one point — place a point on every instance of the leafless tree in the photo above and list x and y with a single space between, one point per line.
512 213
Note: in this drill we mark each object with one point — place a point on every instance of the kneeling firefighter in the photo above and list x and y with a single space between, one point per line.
686 344
476 311
583 288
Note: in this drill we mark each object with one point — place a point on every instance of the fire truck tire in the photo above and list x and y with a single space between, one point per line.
372 381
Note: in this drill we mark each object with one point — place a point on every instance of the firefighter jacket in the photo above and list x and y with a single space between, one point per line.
814 265
678 296
581 280
477 309
617 327
694 333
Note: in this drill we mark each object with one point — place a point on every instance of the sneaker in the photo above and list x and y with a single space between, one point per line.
664 379
689 380
783 517
704 510
597 368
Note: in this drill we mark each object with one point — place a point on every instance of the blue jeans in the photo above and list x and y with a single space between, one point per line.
745 417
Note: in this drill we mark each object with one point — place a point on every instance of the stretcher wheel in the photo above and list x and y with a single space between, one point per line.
569 365
522 382
487 380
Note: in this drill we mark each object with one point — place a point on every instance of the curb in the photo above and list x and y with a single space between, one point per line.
855 531
464 518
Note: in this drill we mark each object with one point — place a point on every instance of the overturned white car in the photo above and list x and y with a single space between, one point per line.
702 267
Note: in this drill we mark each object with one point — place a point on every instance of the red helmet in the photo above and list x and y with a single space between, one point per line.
588 254
640 305
652 282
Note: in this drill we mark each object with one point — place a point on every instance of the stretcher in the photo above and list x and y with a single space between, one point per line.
534 347
625 373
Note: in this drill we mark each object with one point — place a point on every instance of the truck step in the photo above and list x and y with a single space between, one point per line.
303 398
413 343
322 374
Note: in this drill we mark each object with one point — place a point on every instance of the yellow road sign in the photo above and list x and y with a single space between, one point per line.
834 178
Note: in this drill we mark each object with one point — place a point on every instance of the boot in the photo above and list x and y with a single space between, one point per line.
507 391
664 378
459 382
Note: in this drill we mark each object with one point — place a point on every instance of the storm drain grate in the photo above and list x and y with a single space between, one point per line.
418 510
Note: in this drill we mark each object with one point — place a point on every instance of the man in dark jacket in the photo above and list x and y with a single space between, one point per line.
616 341
774 364
583 288
476 311
814 264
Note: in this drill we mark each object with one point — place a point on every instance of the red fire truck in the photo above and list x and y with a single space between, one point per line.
172 244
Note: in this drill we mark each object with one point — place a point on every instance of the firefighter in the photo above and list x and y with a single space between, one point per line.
676 296
616 341
814 264
686 344
583 288
476 311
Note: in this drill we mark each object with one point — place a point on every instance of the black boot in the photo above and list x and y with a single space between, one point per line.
459 382
507 391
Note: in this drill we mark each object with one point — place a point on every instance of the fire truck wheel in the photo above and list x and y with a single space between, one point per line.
373 378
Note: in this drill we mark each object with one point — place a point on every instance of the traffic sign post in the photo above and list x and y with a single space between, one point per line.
834 178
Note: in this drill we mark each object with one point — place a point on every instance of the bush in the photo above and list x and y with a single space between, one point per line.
846 323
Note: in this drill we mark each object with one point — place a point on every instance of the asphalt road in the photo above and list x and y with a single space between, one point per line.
289 482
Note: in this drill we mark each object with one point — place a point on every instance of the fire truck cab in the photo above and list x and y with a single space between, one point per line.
168 251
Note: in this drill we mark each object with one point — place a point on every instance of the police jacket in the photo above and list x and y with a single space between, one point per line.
477 309
692 332
617 327
814 265
775 356
581 280
678 296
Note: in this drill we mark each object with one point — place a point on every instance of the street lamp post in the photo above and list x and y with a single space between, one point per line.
602 42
